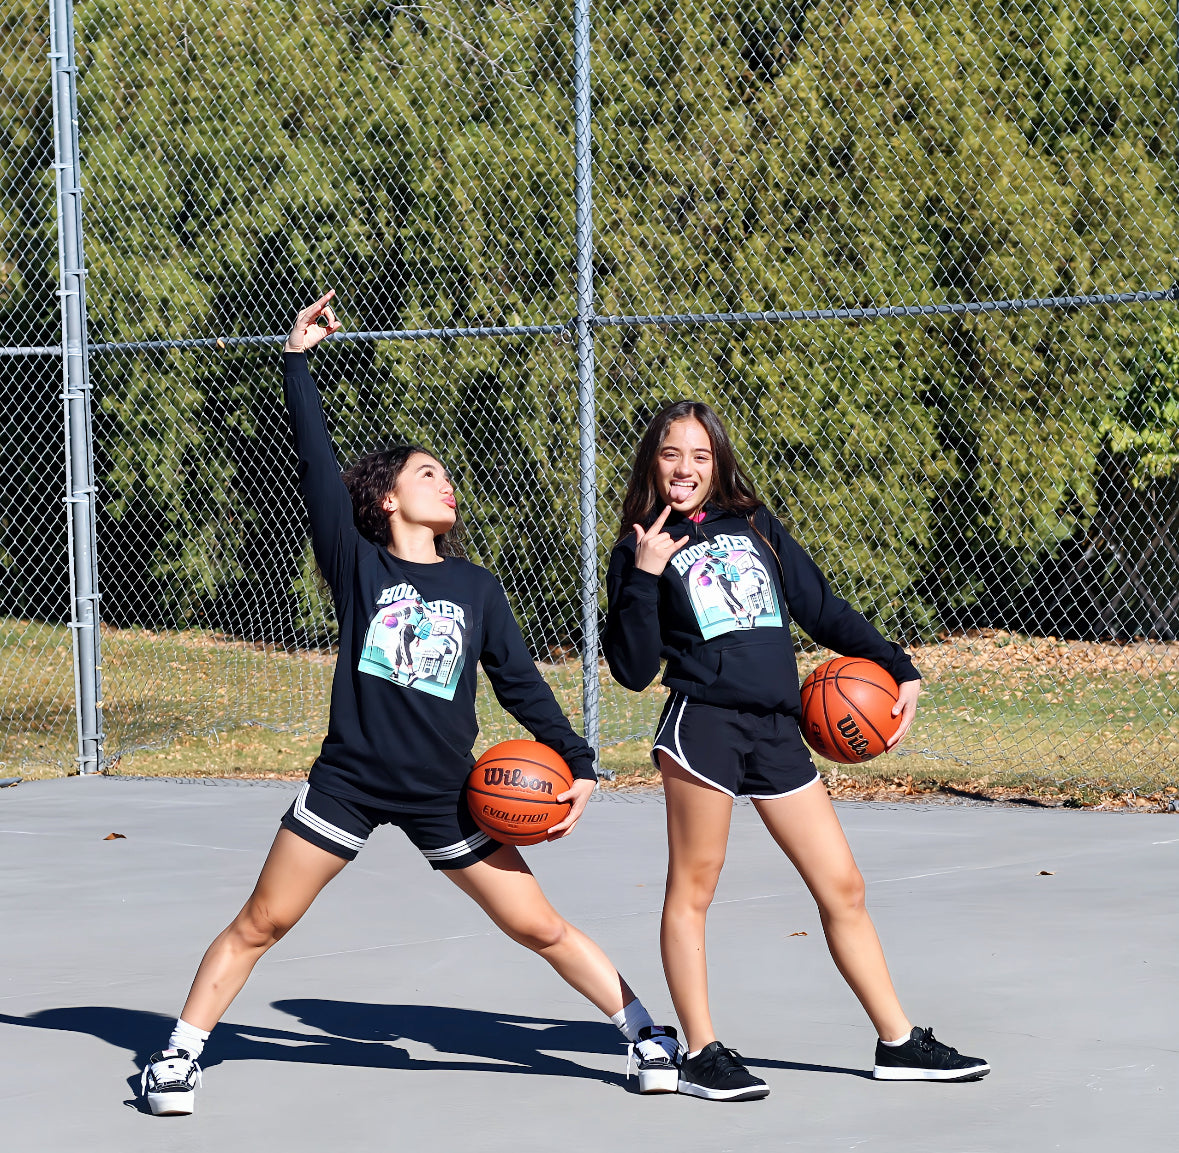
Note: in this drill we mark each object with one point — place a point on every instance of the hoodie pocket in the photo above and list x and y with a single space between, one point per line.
703 671
758 674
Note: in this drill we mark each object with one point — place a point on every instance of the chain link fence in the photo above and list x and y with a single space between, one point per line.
920 257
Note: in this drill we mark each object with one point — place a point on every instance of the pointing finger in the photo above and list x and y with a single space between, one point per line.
661 519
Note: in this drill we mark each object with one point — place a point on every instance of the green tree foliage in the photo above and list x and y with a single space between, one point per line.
800 156
34 558
764 156
1118 575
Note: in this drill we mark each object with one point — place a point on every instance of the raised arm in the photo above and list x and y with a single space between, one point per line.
632 642
329 506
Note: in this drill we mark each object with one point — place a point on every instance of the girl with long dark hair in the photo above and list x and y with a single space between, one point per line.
702 575
414 618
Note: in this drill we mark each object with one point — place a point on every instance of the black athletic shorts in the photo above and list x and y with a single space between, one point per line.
744 754
449 840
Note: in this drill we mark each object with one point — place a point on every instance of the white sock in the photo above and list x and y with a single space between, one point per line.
692 1056
631 1018
894 1044
189 1038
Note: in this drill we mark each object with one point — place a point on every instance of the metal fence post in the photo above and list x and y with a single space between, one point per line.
78 430
587 472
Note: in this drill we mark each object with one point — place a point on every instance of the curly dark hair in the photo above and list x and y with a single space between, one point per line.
731 490
371 478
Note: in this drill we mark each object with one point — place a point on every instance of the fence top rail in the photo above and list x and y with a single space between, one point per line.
565 330
225 342
888 311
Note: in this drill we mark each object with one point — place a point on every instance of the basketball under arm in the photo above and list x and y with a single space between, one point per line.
828 619
522 690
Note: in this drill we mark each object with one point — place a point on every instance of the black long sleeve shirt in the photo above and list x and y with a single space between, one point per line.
720 615
402 723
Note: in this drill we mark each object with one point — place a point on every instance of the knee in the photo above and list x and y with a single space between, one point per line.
256 927
691 886
844 895
539 933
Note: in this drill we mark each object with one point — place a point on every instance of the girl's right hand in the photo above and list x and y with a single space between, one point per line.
655 547
312 324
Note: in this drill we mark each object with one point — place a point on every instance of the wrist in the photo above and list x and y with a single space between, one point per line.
288 347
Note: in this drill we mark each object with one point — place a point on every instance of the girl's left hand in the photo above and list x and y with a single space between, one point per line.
906 709
312 324
578 796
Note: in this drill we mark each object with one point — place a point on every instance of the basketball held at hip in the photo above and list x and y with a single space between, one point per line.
847 705
512 791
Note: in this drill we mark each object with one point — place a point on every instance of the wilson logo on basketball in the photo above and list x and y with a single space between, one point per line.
850 731
495 775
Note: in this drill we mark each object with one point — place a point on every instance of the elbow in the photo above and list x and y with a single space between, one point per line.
629 678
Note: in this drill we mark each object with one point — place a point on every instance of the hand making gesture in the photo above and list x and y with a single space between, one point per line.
655 547
312 324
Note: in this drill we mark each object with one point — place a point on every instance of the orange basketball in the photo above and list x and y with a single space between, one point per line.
847 708
512 791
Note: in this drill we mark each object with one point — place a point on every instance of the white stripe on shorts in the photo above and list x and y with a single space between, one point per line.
789 792
677 754
322 827
458 849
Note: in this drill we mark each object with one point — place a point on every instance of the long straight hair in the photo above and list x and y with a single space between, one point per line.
731 489
372 478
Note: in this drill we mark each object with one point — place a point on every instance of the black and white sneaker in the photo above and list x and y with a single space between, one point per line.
656 1056
716 1074
170 1082
924 1058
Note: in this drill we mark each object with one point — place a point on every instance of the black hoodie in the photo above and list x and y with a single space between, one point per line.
402 720
720 615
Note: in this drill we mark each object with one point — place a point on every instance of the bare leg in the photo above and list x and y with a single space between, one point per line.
505 889
698 818
807 829
292 877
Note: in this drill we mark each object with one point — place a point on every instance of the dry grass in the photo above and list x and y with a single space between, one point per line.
1001 716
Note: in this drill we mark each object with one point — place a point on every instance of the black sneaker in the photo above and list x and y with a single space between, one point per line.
716 1073
170 1081
656 1055
923 1058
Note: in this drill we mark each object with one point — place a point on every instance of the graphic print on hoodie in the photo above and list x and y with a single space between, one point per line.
416 643
728 586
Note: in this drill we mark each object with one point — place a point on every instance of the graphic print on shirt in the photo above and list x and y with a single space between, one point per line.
728 586
416 643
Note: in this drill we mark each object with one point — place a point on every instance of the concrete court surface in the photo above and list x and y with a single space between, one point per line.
394 1017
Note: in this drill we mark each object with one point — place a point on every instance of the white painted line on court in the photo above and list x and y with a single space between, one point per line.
391 945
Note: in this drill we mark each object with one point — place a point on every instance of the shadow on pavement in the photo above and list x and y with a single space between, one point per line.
359 1035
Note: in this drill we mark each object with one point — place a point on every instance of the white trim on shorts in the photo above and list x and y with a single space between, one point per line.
677 754
789 792
458 849
324 828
